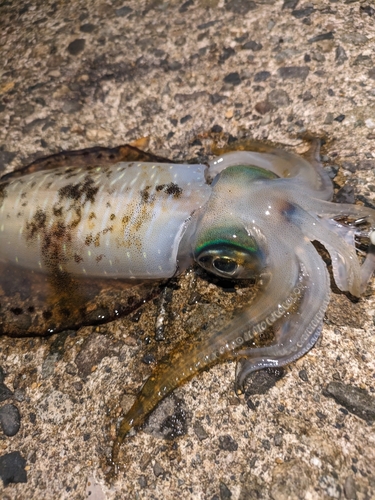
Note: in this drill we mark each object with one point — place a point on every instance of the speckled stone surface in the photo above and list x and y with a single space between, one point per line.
186 74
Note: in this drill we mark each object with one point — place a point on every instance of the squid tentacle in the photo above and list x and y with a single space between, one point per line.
223 344
332 210
283 163
347 271
299 332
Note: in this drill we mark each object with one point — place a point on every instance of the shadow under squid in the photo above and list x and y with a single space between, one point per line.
70 231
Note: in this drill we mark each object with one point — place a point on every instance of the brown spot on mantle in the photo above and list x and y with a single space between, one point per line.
76 191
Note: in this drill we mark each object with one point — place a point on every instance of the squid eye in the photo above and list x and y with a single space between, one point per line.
231 253
230 262
225 265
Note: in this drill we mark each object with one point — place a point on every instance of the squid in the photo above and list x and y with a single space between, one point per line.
65 232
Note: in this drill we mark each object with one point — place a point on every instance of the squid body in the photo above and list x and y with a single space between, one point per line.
245 215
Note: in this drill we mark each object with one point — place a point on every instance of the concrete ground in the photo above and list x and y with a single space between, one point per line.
188 75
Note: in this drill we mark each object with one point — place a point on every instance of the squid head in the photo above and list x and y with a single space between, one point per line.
223 244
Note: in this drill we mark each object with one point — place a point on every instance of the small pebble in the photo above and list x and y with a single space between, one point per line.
148 359
227 443
5 393
350 488
233 79
266 444
251 45
229 114
278 98
71 369
240 7
301 13
340 56
225 492
12 468
262 381
263 107
123 11
358 401
142 481
294 72
226 54
71 106
303 375
87 28
76 47
307 96
184 7
200 431
278 439
349 165
185 118
158 469
322 36
261 76
78 386
10 419
216 98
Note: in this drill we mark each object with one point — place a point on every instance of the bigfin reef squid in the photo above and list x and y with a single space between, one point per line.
67 232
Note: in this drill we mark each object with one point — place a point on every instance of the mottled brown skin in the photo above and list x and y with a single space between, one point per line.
97 156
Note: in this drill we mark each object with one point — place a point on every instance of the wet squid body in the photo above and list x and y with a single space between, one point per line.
245 215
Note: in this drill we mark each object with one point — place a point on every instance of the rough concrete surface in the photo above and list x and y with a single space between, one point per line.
186 75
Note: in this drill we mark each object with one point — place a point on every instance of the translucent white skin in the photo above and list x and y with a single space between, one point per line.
308 174
124 221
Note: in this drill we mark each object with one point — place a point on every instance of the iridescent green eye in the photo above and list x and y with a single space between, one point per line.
231 253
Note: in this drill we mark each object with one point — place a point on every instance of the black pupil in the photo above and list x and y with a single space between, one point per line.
225 265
